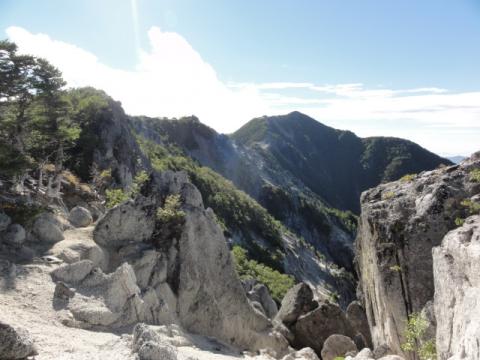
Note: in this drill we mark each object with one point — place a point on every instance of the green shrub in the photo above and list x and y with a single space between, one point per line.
115 197
475 175
22 213
235 210
388 195
277 283
170 212
396 268
459 221
472 207
408 178
414 338
339 358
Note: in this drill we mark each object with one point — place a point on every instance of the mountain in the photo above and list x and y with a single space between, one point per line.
336 165
457 159
298 169
417 243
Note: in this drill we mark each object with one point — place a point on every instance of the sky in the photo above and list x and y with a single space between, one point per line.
376 67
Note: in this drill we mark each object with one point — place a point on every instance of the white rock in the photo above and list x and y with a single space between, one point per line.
303 354
15 343
72 273
456 266
125 224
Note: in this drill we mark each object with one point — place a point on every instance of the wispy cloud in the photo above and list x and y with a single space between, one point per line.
171 79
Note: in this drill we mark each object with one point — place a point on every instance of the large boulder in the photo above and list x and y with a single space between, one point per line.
261 295
296 302
358 320
72 273
456 266
149 345
15 235
80 217
48 228
79 245
15 343
399 225
187 278
364 354
127 223
337 346
313 328
303 354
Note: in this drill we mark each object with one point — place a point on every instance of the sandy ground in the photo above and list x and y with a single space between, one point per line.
26 294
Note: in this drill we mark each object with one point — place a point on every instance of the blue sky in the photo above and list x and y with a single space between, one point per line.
407 68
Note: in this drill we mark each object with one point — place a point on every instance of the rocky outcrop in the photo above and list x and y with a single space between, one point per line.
15 343
456 265
186 278
400 224
337 346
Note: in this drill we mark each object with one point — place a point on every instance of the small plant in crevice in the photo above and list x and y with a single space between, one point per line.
334 297
169 222
388 195
459 221
115 197
415 341
471 207
396 268
408 178
475 175
170 212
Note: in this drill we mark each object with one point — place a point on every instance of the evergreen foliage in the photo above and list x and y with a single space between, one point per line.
277 283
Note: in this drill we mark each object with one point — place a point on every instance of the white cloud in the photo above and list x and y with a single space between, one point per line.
171 79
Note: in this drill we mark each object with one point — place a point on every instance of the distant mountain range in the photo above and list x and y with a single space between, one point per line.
300 170
457 159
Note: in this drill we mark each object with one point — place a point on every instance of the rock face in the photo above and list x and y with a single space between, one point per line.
15 343
456 265
186 278
400 224
80 217
336 346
